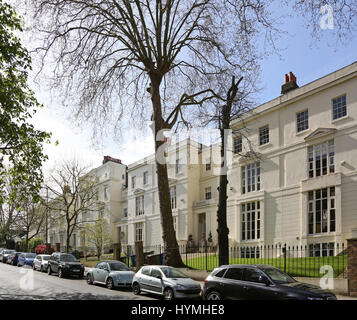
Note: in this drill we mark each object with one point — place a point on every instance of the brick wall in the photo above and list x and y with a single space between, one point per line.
352 267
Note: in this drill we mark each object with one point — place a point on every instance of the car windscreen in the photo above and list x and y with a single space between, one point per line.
46 258
118 267
278 276
8 251
172 273
68 258
30 255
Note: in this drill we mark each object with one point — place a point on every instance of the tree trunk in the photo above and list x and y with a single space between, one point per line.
223 231
68 236
167 225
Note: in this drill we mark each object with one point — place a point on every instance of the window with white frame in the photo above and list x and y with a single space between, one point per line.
339 109
146 177
264 135
302 120
173 197
133 182
139 231
139 205
322 249
237 145
322 211
321 159
125 212
250 220
250 176
208 193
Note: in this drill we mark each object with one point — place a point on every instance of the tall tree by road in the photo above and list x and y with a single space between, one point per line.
72 192
21 145
108 53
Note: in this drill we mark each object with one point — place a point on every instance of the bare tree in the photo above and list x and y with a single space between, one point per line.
72 191
30 220
108 54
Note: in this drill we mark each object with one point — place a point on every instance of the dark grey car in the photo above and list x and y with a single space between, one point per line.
258 282
167 282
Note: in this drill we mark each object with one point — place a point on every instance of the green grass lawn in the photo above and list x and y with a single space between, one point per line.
90 262
296 267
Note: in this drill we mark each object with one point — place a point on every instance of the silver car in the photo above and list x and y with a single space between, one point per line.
166 281
111 273
5 253
41 262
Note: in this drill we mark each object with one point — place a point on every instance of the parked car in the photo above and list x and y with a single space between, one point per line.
258 282
4 254
13 258
65 264
111 273
166 281
41 261
26 259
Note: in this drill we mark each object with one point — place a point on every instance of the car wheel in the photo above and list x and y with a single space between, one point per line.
136 288
60 273
33 267
110 284
168 294
89 279
213 295
49 271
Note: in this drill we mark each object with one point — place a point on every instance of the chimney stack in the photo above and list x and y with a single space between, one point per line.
290 83
108 158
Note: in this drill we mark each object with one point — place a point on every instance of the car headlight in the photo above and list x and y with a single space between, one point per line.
314 298
180 287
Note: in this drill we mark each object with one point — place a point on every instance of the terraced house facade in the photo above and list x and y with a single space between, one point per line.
293 177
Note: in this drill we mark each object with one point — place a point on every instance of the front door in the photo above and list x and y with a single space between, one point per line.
201 226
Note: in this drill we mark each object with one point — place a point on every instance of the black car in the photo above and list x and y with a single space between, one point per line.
65 265
258 282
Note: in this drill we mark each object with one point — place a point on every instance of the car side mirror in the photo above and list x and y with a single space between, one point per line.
159 276
265 280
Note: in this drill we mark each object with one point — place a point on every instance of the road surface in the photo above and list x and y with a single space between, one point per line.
22 283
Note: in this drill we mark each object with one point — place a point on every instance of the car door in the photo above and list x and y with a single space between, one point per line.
255 288
156 283
56 261
144 278
95 272
37 262
232 284
103 272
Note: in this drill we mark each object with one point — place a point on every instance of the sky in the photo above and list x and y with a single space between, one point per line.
306 59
